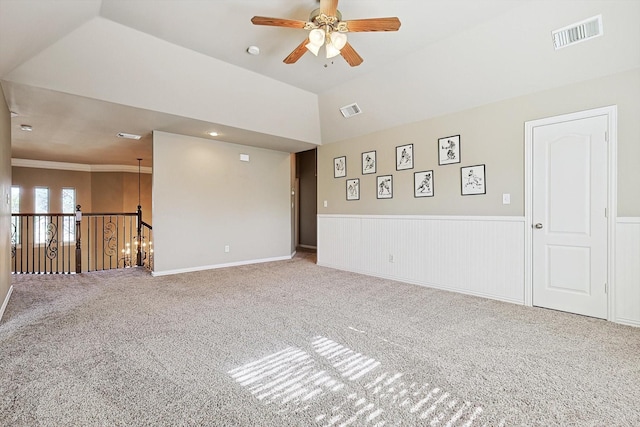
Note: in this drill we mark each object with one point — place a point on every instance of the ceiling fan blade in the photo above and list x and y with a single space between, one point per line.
373 24
329 7
277 22
350 55
297 52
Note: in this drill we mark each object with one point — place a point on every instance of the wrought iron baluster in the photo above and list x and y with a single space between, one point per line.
78 225
51 243
37 244
95 244
62 246
33 248
110 237
26 267
13 239
132 241
14 242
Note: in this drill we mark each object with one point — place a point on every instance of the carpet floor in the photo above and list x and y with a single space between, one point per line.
293 344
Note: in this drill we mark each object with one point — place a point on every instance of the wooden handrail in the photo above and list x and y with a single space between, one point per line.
42 214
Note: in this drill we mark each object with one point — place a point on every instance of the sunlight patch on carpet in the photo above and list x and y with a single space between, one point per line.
343 387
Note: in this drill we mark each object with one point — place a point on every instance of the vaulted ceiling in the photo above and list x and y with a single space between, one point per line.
79 72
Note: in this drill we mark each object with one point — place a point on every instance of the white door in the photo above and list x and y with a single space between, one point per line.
569 216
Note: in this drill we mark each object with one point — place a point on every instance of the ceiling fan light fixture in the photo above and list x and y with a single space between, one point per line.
313 48
316 40
338 40
325 25
316 37
332 51
335 42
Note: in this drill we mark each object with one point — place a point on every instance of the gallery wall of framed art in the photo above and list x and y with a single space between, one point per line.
421 184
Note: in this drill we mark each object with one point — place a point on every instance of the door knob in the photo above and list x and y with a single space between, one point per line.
538 226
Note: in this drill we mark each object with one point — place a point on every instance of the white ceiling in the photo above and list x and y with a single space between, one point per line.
81 71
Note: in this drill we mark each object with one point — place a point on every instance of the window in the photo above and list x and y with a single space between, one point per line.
68 206
42 199
15 199
15 221
42 207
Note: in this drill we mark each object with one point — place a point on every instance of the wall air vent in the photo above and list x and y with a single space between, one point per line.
578 32
350 110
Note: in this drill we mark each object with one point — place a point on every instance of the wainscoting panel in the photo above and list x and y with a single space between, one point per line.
481 256
627 277
341 237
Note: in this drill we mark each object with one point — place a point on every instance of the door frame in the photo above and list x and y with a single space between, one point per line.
612 144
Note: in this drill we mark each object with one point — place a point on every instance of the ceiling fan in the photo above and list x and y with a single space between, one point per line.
326 28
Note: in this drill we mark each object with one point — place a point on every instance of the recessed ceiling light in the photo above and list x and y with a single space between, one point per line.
128 135
26 128
214 133
253 50
14 114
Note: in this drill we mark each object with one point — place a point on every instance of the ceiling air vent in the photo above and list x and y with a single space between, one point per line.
578 32
128 135
350 110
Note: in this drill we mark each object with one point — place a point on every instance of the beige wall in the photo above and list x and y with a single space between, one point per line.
130 195
5 206
29 178
106 192
493 135
204 198
96 192
118 192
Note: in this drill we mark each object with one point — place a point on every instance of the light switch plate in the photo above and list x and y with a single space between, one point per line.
506 199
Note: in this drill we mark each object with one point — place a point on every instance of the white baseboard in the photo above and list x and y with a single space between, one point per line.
6 302
628 220
628 322
308 247
433 285
216 266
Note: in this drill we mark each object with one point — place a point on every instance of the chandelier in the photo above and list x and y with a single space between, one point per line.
129 255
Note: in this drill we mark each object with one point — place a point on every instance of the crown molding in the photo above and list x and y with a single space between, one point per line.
78 167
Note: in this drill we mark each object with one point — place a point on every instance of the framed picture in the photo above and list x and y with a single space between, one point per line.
423 184
369 163
340 167
472 179
385 186
404 157
353 189
449 150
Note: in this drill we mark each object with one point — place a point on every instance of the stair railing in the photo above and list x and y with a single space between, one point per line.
43 243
